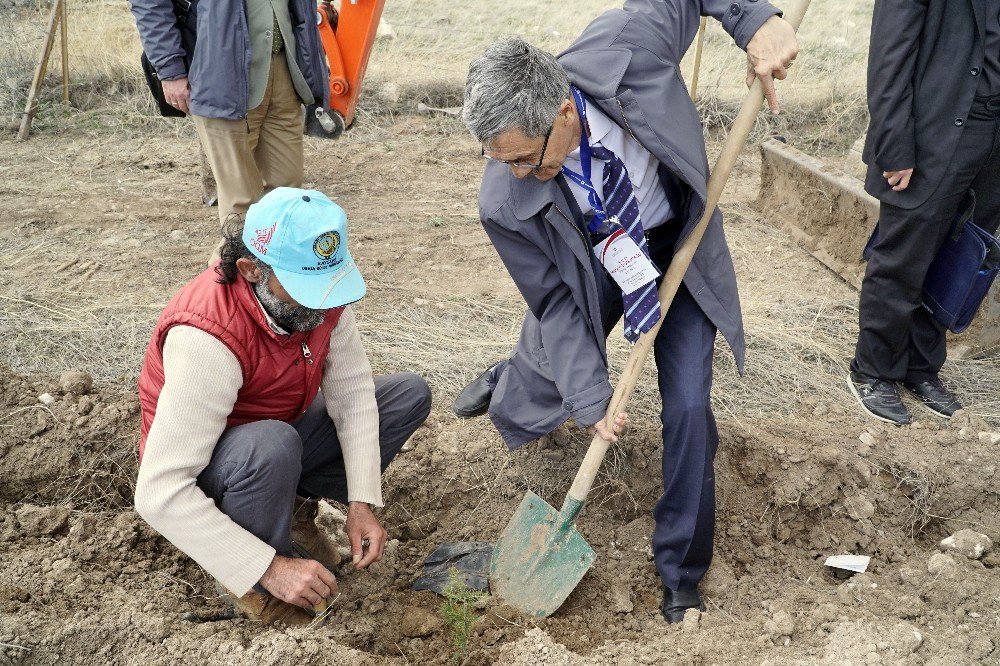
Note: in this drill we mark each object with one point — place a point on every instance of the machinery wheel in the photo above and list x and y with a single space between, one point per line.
324 124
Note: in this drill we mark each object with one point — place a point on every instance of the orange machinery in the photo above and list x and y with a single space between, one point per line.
347 33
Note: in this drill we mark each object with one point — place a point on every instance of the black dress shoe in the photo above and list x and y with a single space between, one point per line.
879 398
935 397
474 400
676 602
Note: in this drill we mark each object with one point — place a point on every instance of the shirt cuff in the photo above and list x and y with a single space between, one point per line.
748 17
248 573
366 488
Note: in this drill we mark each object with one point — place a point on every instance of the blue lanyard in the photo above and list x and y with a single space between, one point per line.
583 180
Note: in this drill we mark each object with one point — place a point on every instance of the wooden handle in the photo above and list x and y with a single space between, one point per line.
675 273
697 58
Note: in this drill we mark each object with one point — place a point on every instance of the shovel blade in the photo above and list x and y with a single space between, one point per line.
539 559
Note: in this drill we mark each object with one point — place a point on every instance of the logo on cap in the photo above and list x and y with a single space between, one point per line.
326 244
262 237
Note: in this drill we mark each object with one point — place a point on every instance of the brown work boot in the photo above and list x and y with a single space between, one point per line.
307 538
267 609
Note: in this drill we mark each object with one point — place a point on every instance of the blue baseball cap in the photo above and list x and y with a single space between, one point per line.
302 236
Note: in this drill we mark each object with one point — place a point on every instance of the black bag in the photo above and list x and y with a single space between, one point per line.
962 272
183 10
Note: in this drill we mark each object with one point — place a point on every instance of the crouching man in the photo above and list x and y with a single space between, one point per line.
258 398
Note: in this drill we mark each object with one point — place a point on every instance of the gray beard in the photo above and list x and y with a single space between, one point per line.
292 318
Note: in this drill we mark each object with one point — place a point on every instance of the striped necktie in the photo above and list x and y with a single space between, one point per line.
642 307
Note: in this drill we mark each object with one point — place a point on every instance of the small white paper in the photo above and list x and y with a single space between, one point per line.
625 262
855 563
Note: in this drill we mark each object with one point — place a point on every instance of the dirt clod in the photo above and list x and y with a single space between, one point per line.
36 521
692 621
419 622
969 543
942 565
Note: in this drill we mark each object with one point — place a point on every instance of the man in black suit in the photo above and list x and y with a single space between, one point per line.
934 98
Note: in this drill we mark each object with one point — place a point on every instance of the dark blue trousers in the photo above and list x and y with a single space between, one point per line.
685 513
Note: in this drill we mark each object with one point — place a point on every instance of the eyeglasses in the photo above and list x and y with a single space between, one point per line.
525 165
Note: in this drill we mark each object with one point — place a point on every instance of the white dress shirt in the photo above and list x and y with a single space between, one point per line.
641 165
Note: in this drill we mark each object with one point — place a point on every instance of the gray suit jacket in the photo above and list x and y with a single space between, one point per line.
627 61
924 65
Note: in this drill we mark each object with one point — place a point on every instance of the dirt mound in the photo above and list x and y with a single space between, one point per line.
93 586
64 442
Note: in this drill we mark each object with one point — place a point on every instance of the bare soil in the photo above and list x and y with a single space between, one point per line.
100 228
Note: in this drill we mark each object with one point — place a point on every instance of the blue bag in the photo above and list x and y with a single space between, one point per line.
962 272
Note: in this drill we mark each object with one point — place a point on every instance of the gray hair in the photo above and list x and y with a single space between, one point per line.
513 85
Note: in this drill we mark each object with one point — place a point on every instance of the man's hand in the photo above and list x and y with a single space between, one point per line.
898 180
300 582
177 93
365 534
770 53
609 434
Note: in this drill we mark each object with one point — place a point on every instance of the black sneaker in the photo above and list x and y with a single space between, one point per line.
879 398
935 397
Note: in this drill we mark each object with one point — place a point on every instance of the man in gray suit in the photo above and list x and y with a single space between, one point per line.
614 105
934 97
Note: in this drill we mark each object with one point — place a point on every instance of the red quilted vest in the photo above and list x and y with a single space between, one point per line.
281 373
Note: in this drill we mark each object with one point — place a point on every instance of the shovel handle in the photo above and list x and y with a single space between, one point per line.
697 58
741 129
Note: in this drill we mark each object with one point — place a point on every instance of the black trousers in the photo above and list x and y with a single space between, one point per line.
898 339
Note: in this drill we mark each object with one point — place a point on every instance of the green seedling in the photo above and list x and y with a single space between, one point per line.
458 612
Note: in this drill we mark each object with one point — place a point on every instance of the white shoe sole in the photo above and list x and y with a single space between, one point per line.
854 392
923 404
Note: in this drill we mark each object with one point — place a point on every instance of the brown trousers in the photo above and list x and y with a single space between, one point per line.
254 155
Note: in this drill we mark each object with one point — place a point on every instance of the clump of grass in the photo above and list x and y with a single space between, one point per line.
457 611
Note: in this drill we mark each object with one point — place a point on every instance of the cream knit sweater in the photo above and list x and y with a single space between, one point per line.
202 379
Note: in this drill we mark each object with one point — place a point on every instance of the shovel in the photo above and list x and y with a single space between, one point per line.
540 556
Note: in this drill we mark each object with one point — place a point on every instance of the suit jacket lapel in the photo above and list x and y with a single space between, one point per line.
533 197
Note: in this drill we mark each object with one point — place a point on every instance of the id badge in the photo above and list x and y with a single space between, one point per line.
625 262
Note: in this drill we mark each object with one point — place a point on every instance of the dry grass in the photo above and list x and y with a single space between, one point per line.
107 85
798 343
428 57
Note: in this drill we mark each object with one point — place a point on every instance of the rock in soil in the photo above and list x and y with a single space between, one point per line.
904 639
620 598
969 543
75 383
